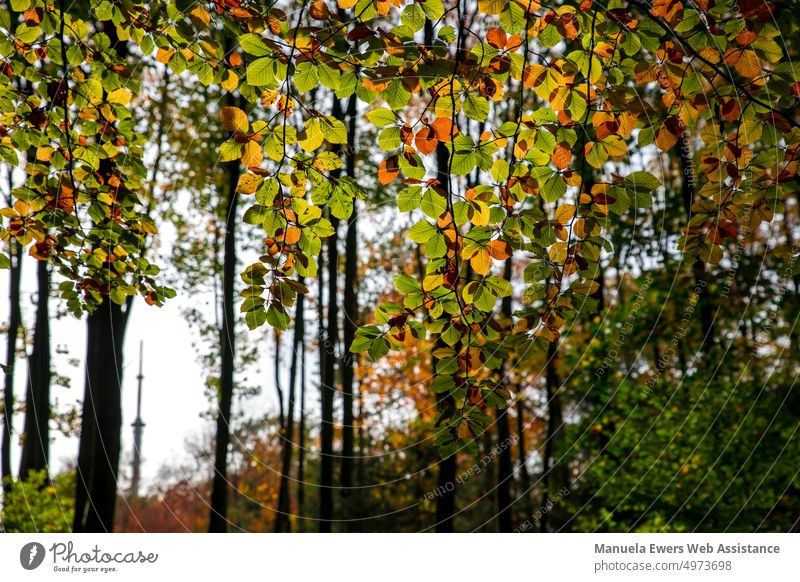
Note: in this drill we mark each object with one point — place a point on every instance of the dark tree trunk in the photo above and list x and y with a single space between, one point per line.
14 322
350 307
504 475
328 386
278 389
446 501
36 447
553 471
282 523
218 521
301 441
101 422
524 476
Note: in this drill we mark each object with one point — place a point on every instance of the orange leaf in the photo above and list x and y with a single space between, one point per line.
388 170
514 42
426 141
234 119
497 38
562 156
292 235
319 10
445 129
499 249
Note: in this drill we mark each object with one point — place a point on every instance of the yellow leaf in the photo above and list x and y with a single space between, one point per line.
564 213
615 146
491 6
478 213
252 155
481 262
230 81
558 252
248 183
200 17
121 96
234 119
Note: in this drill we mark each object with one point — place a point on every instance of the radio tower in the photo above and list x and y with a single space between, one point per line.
137 425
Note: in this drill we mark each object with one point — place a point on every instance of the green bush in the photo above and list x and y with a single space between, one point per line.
39 504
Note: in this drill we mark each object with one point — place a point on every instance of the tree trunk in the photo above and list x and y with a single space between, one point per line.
328 387
553 472
504 475
36 447
301 441
350 307
524 476
218 521
101 421
282 523
14 322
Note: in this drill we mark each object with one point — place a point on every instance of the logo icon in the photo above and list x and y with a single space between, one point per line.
31 555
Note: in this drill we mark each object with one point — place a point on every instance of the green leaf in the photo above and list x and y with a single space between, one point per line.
381 117
334 130
261 73
389 138
554 188
253 44
476 107
433 204
409 198
396 95
306 77
277 318
434 9
422 232
406 284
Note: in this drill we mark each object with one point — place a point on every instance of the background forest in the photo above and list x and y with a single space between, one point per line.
444 265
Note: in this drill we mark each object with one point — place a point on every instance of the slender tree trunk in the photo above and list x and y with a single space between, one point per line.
282 523
14 323
553 472
504 474
278 389
301 442
218 520
524 476
328 387
350 308
36 447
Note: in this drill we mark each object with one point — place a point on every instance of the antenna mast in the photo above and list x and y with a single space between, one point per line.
137 425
